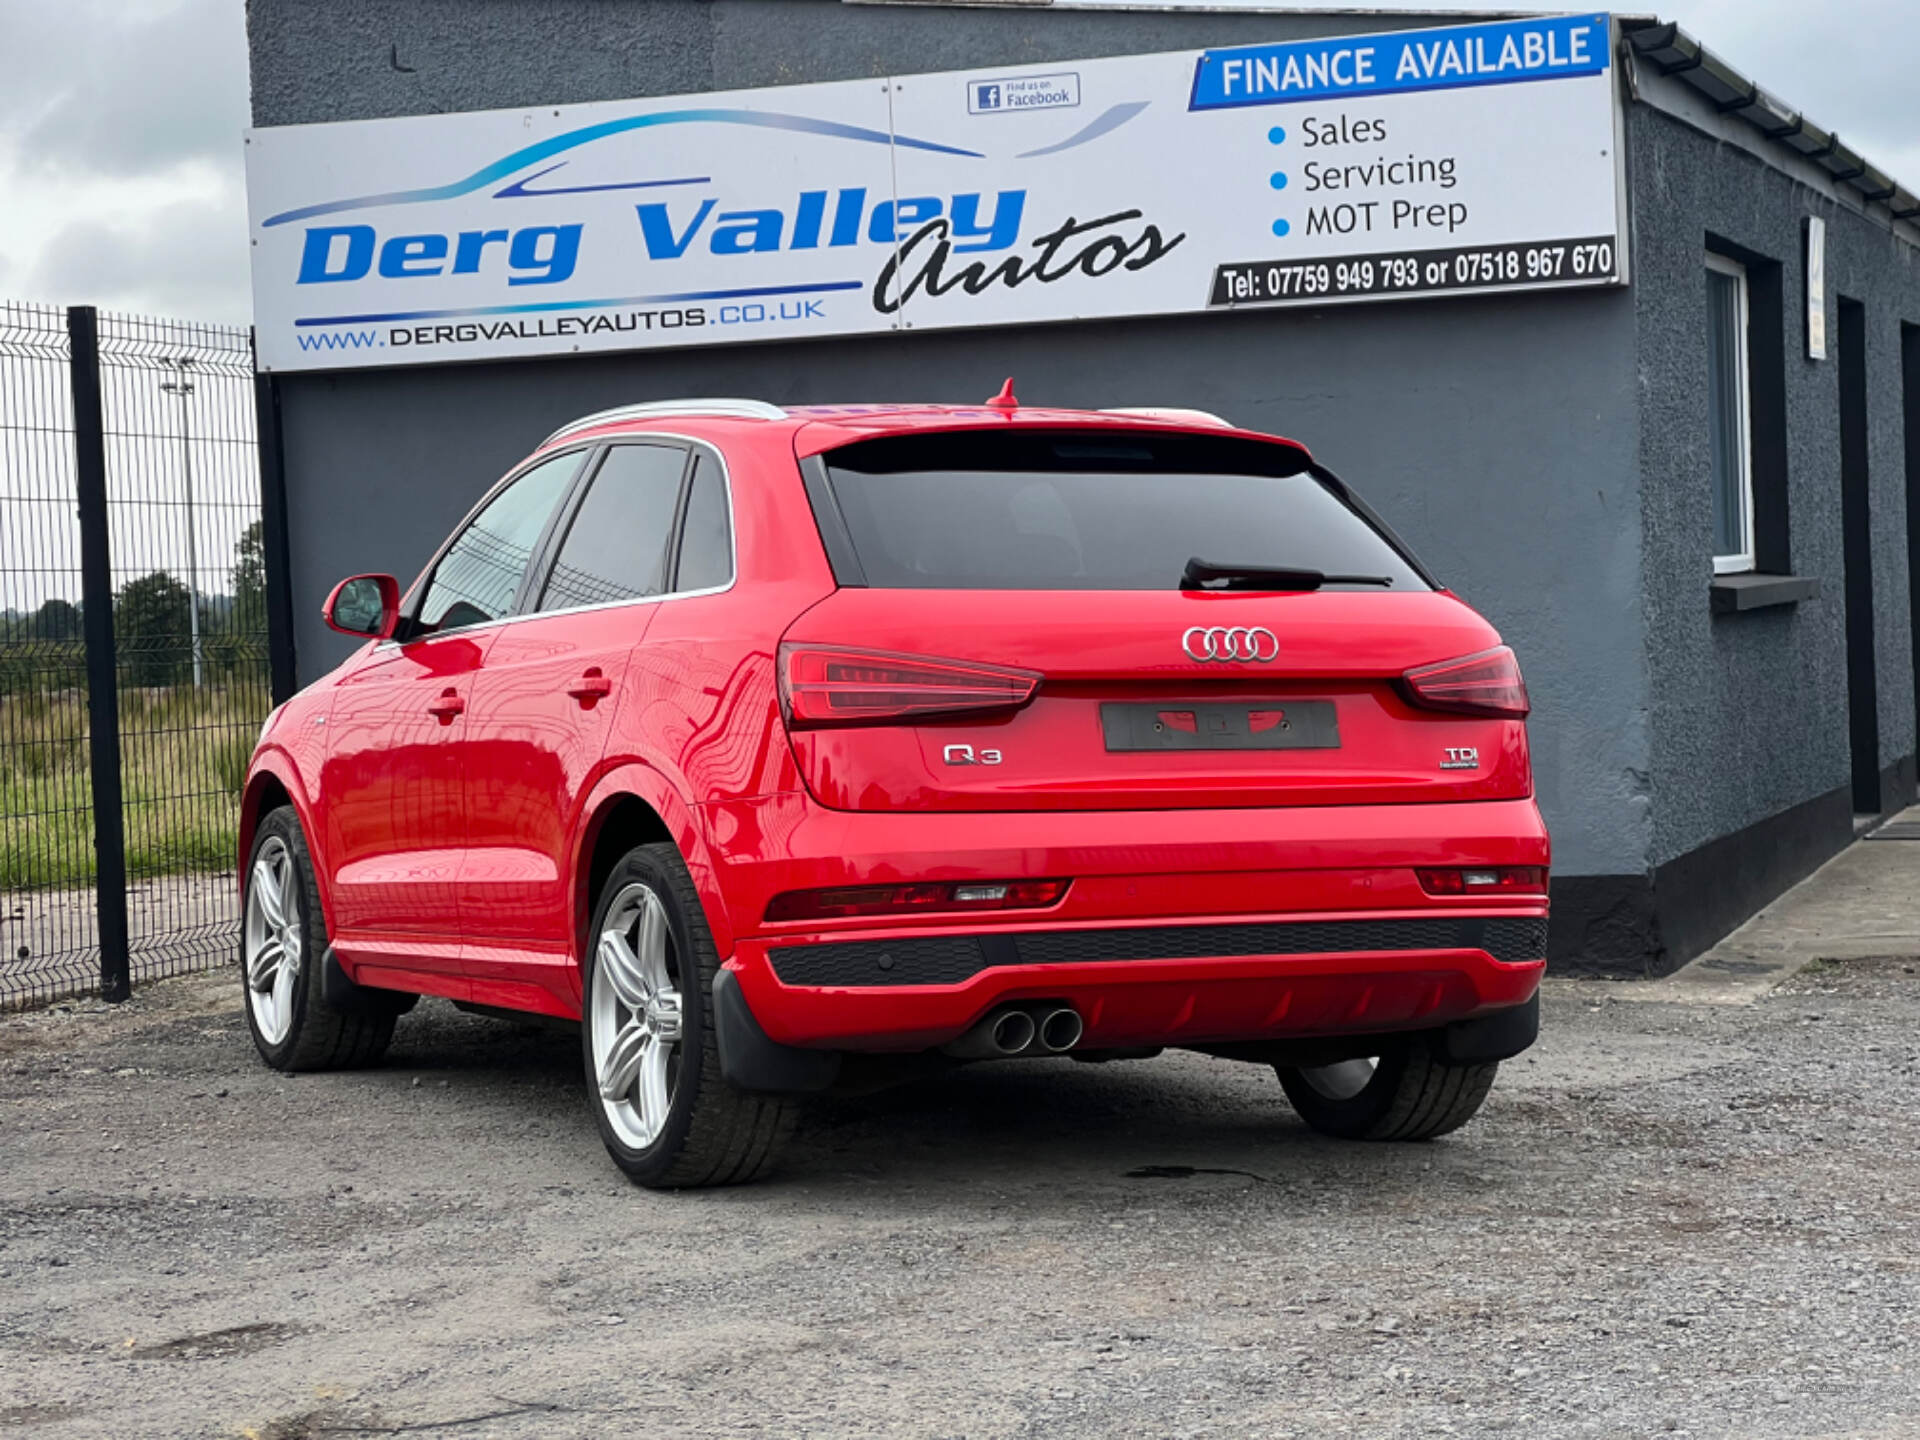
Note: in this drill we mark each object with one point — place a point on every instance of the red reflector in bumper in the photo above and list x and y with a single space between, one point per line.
964 895
1485 880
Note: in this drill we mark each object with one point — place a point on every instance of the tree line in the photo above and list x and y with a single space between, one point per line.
44 650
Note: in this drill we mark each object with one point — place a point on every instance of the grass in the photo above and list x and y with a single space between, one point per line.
183 759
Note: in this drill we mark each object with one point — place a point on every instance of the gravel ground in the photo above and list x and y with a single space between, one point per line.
1670 1219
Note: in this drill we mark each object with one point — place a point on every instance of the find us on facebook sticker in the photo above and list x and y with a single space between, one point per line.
1023 92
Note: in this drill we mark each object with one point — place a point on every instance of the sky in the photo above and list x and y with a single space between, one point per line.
121 180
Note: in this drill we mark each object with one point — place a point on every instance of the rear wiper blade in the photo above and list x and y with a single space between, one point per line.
1210 575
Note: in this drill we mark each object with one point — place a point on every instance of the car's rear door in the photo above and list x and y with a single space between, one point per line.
544 703
1059 556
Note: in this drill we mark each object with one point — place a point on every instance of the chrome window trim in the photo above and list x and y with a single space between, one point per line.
733 542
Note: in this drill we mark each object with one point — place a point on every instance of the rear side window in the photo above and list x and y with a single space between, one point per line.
706 533
616 545
1096 510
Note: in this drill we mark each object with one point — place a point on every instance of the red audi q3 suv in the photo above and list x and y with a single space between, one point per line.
798 749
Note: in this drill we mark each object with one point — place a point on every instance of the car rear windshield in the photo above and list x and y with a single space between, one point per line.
1093 510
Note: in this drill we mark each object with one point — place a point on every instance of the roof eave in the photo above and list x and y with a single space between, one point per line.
1676 54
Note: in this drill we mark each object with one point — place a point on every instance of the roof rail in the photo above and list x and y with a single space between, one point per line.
668 409
1171 412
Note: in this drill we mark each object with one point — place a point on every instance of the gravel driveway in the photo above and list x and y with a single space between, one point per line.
1670 1219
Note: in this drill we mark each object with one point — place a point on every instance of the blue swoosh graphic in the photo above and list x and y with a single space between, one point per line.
573 139
529 309
518 189
1113 119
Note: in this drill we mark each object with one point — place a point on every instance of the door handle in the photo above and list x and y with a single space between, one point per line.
447 706
590 687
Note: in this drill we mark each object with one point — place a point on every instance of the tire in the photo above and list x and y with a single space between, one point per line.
293 1026
660 986
1412 1094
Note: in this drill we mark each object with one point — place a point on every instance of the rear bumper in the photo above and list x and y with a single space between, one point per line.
1124 864
1182 927
1125 1002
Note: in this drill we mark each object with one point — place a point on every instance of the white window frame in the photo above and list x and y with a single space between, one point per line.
1741 563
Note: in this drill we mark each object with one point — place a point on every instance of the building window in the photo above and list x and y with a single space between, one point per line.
1732 426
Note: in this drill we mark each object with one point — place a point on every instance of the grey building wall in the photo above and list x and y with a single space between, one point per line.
1491 433
1546 454
316 60
1749 711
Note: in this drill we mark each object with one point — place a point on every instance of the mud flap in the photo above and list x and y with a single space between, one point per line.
751 1061
1499 1036
345 997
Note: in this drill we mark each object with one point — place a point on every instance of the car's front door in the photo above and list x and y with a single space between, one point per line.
543 704
395 805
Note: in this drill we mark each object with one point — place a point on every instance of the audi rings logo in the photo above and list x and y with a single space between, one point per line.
1221 644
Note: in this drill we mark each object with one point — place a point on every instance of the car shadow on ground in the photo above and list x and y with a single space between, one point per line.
1175 1123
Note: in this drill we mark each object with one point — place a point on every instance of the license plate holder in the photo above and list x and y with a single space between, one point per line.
1180 725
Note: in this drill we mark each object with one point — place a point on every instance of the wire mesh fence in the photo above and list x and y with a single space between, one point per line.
46 797
187 591
190 625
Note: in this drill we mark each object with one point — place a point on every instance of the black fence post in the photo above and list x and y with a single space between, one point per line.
274 546
96 608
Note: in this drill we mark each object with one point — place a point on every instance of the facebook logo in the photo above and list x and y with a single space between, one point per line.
1018 93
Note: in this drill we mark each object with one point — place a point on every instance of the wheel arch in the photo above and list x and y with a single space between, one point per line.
273 783
634 806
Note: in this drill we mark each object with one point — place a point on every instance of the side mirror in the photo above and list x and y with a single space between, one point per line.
367 606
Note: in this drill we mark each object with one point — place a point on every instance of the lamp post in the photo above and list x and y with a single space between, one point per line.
183 387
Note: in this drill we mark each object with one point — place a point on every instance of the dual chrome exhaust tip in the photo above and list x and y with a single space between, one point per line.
1021 1030
1011 1032
1061 1029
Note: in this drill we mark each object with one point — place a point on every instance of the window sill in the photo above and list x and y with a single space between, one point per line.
1733 593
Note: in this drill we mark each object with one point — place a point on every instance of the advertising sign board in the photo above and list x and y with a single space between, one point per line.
1362 167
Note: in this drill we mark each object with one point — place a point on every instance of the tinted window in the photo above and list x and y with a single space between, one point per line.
706 537
1094 511
476 578
616 545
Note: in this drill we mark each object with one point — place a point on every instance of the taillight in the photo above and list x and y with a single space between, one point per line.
1485 880
1485 684
960 895
834 685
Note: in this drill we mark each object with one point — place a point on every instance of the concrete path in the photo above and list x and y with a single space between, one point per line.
1863 903
50 949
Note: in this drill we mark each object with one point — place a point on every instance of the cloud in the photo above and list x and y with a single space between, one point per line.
105 87
1848 66
120 154
185 258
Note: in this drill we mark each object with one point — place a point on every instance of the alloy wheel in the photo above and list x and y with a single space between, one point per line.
635 1018
271 940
